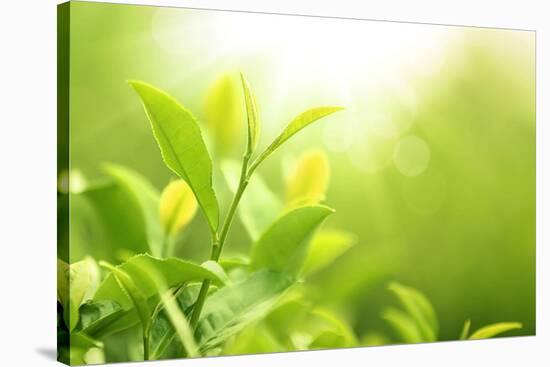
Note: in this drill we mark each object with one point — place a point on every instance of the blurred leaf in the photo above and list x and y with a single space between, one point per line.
114 222
259 206
132 293
80 345
304 119
495 329
283 247
223 112
404 325
183 150
252 116
374 338
81 278
232 308
177 206
329 331
229 263
62 282
308 182
256 338
419 308
465 330
326 245
174 272
147 199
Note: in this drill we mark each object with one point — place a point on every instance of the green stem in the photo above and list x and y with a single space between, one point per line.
218 242
145 346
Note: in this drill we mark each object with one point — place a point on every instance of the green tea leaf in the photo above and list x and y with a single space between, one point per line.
62 282
82 280
232 308
252 116
308 182
174 271
216 268
175 315
495 329
132 293
163 332
94 316
465 330
223 113
404 325
283 247
183 150
301 121
419 308
177 206
259 207
147 199
326 245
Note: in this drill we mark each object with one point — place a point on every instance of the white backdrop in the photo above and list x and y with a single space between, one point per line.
27 199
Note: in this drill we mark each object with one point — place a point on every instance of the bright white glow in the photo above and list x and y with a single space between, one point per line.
411 155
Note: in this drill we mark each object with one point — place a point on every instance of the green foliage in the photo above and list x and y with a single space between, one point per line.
233 307
174 271
147 199
326 246
253 302
419 309
252 117
494 330
419 323
183 150
283 247
223 113
301 121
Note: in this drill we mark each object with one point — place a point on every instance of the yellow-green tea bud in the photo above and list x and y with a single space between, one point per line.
177 206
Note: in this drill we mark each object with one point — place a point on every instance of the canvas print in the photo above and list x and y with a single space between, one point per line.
235 183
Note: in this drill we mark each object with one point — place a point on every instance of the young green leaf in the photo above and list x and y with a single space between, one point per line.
404 325
283 247
495 329
326 245
301 121
177 206
252 117
174 271
465 330
232 308
259 207
132 293
223 113
308 182
419 308
146 197
180 140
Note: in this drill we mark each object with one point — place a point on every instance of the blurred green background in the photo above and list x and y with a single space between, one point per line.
433 160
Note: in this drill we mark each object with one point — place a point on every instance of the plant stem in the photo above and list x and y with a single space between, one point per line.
218 242
145 346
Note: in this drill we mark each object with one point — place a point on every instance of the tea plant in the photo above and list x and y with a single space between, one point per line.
169 307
